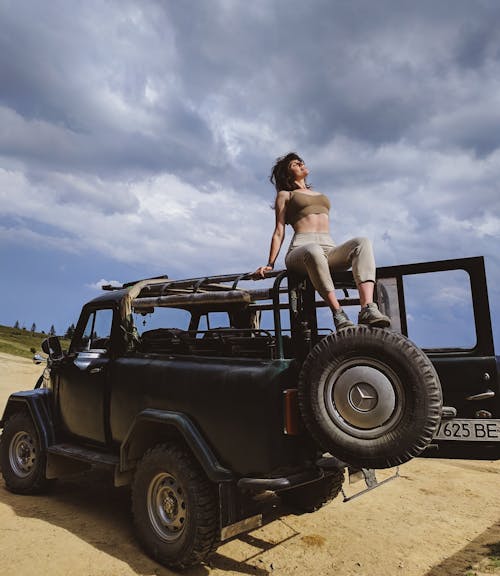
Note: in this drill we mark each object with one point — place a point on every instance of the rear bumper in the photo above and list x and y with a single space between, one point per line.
324 467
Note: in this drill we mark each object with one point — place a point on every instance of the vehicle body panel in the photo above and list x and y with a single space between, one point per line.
237 403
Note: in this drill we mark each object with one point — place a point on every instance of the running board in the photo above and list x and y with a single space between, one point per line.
84 455
67 459
368 475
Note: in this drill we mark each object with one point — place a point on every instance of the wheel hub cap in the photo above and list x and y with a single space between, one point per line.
364 397
22 454
170 506
166 507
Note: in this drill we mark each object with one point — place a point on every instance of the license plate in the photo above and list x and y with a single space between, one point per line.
475 430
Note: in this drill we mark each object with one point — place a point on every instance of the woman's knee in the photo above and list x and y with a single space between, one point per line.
362 243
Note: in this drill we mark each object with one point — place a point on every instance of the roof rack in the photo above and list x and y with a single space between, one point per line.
202 282
206 290
110 287
221 289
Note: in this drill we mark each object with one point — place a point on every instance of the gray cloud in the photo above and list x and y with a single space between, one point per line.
159 86
150 127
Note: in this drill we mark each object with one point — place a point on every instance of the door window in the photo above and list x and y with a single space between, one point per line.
439 310
97 332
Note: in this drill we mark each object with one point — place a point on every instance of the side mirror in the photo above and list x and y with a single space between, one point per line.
52 347
37 359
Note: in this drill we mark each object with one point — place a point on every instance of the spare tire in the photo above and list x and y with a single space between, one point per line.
370 397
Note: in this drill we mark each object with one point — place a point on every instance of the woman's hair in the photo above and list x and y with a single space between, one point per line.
281 176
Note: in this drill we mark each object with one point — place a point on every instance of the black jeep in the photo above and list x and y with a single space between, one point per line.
202 393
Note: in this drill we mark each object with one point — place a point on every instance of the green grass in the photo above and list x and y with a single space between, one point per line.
19 342
489 563
494 561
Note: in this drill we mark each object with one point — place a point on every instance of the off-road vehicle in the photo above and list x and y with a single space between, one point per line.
202 393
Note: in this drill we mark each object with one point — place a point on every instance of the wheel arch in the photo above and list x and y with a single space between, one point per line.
152 427
37 404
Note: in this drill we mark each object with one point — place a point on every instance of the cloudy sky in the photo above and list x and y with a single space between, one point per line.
137 137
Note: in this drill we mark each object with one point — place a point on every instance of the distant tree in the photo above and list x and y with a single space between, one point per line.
33 328
16 325
52 331
69 332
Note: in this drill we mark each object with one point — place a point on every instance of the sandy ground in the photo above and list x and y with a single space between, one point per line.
440 517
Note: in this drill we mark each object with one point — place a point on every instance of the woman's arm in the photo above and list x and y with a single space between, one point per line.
278 234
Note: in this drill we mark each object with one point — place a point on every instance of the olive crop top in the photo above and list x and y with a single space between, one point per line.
302 204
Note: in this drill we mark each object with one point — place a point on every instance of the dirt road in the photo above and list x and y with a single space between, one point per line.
440 517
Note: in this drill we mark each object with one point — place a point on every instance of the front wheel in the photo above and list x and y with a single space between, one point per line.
21 456
174 507
370 397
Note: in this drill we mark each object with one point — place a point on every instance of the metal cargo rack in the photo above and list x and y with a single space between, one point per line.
222 292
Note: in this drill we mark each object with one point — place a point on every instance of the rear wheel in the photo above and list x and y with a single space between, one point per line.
311 497
370 397
175 507
21 456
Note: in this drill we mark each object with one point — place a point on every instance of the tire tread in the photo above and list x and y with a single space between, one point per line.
206 538
346 342
21 421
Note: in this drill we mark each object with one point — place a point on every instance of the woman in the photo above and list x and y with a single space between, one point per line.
312 251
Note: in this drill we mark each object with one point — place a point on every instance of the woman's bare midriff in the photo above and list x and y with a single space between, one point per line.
315 223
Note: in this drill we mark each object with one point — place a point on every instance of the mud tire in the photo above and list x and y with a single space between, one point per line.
174 506
370 397
22 458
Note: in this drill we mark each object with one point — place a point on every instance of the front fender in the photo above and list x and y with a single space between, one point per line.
151 426
37 403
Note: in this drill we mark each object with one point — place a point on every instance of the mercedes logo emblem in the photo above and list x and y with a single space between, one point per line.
363 397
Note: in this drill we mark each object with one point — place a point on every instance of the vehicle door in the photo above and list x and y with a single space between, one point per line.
443 307
83 390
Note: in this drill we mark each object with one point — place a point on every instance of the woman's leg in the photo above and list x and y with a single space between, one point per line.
312 259
358 253
365 290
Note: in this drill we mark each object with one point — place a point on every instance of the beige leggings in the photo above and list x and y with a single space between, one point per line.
317 255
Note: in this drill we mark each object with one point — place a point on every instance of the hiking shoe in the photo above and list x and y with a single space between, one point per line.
371 316
341 320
